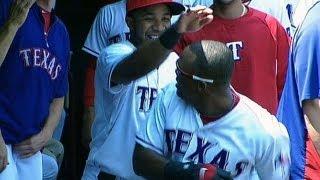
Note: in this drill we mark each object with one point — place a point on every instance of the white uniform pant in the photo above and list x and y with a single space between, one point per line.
22 169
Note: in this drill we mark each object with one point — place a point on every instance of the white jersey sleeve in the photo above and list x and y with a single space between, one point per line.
273 158
108 60
151 133
108 27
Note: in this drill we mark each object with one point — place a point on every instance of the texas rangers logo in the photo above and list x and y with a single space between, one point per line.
235 47
148 95
41 58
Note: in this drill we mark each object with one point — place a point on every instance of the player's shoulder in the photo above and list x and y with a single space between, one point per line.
262 16
114 7
119 49
268 124
61 26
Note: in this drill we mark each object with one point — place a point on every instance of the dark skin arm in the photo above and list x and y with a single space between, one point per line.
148 163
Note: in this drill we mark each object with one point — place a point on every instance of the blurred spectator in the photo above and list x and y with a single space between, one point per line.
299 108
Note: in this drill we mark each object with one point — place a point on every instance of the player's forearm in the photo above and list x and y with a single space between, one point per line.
146 58
7 34
311 109
314 135
148 164
55 110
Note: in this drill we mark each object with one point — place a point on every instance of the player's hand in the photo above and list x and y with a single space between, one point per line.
3 155
32 145
19 11
212 172
190 171
194 19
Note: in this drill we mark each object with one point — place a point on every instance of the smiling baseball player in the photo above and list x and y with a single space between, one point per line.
128 77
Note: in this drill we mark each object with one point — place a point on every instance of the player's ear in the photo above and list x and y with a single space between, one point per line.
202 86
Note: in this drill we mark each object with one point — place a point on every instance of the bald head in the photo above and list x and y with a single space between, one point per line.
212 60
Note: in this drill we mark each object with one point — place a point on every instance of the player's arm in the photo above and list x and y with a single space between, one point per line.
311 109
272 159
36 142
148 163
152 53
18 14
53 118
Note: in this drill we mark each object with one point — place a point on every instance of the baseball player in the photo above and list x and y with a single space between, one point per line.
128 78
299 108
260 47
200 128
34 55
109 27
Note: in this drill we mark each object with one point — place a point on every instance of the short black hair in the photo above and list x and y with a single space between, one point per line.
214 60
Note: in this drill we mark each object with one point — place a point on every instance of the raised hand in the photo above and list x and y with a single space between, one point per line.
19 11
194 19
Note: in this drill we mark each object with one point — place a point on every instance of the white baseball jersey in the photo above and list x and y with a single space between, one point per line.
108 27
120 109
248 141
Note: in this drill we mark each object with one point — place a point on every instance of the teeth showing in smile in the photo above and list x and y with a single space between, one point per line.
153 37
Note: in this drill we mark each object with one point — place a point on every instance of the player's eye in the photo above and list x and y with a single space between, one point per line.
166 19
148 18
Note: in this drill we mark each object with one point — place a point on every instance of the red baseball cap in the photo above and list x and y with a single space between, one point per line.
175 7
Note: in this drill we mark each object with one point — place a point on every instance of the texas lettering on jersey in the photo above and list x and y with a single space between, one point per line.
177 142
148 95
42 58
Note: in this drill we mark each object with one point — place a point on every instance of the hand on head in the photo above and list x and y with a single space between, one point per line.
194 19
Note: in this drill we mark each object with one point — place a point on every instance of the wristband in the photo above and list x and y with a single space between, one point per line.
175 170
170 38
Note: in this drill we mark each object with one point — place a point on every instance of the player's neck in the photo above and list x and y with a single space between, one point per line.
47 5
217 104
233 10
